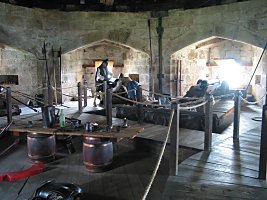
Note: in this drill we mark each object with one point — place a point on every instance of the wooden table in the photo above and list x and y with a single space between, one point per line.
129 132
21 125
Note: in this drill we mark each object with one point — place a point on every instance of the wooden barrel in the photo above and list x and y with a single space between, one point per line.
41 147
97 154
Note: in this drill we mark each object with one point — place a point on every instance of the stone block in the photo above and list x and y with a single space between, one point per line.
231 16
208 18
262 24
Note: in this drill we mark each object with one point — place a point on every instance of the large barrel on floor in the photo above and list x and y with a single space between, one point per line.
97 154
41 147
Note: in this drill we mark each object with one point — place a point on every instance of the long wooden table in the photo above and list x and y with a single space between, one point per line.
21 125
129 132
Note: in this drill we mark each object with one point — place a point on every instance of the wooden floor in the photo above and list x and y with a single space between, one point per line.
229 171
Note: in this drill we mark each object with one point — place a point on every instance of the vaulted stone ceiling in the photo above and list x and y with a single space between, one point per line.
118 5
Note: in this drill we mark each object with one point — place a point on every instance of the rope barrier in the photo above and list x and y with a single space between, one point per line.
90 87
183 106
247 102
190 98
39 88
6 127
32 115
58 88
160 157
24 104
125 92
255 102
184 98
163 95
137 102
258 119
192 107
30 97
121 93
225 95
68 95
99 84
200 100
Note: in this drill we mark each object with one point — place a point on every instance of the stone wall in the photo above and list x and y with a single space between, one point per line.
260 84
27 29
23 64
193 67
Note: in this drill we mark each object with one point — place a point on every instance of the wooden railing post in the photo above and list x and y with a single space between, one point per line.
174 141
85 93
263 145
105 87
8 105
79 97
50 95
45 94
208 122
140 110
237 114
109 109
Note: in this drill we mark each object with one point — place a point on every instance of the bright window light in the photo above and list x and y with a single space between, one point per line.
231 72
110 64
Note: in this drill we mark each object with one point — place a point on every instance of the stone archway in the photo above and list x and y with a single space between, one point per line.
79 65
243 22
204 59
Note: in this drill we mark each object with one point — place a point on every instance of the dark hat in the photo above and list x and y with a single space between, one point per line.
105 60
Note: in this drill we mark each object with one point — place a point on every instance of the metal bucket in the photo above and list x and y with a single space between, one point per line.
97 154
41 147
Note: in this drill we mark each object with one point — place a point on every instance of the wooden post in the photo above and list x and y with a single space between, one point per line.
85 93
105 87
45 94
237 114
60 76
50 95
140 110
208 123
160 31
263 146
80 97
8 105
109 109
174 141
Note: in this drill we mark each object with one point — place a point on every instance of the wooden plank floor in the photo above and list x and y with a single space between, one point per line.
127 180
228 171
130 175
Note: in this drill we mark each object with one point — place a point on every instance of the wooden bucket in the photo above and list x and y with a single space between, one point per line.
41 147
97 154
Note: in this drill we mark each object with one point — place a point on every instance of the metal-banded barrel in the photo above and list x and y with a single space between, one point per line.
41 147
97 154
